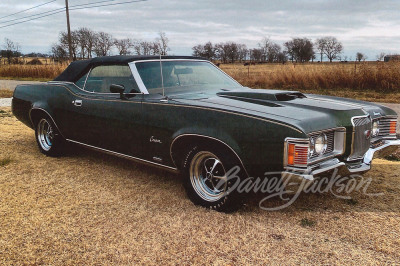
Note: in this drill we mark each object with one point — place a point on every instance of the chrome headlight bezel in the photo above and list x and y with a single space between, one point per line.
375 128
320 144
311 148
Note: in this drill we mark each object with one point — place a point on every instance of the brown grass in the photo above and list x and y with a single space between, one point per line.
363 81
90 208
41 72
5 93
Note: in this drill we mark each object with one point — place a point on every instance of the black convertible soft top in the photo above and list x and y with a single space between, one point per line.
78 68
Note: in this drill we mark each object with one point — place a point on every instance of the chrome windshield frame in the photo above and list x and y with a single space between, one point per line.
139 80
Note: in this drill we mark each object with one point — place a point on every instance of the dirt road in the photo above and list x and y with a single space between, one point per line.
11 84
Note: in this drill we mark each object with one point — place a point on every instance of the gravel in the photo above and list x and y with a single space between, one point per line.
4 102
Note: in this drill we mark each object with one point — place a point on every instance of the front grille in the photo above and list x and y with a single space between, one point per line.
330 146
361 142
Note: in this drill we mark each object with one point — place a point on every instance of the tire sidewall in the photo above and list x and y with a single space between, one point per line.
232 200
57 142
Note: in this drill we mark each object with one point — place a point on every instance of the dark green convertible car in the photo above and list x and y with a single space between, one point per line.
185 115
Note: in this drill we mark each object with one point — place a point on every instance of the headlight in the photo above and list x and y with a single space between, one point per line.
375 129
320 144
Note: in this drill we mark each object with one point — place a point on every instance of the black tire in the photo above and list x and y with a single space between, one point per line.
48 138
206 187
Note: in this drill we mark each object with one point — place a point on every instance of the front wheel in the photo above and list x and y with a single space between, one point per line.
210 177
48 138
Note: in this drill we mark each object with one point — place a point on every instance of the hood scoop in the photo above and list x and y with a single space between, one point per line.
263 95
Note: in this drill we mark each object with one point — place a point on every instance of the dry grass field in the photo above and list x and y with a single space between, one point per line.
90 208
5 93
31 72
377 81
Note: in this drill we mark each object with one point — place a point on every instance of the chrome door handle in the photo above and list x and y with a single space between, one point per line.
77 102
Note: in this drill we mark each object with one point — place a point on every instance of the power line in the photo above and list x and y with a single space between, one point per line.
34 15
127 2
59 10
54 10
93 3
16 23
28 9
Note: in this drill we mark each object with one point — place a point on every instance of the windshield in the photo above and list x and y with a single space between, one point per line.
183 76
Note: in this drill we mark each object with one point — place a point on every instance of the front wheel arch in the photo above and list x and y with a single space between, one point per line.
181 146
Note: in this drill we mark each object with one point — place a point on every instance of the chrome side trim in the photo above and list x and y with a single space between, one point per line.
38 108
63 83
175 170
204 136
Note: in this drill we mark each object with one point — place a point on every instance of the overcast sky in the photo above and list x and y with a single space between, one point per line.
368 26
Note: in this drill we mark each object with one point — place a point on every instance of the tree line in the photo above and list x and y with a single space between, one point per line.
86 43
296 50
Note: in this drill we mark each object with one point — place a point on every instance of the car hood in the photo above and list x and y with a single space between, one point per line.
308 112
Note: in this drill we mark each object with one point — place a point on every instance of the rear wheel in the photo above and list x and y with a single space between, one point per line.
48 138
210 177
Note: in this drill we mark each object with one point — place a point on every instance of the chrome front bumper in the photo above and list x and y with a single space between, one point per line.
348 168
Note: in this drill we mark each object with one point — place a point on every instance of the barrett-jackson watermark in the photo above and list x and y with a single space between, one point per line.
288 189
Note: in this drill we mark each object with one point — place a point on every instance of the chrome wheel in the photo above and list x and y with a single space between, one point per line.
45 134
208 176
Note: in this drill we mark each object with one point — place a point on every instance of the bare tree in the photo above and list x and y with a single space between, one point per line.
207 51
265 45
256 54
86 40
82 42
11 50
63 39
104 43
163 43
58 52
381 56
242 52
300 49
198 50
155 48
222 51
143 47
320 46
360 56
123 46
332 48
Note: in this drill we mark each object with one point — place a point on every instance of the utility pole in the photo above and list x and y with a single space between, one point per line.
69 31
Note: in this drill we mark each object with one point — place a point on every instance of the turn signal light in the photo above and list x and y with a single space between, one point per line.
393 125
297 154
291 154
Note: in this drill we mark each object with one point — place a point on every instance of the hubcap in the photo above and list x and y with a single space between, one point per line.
208 176
45 134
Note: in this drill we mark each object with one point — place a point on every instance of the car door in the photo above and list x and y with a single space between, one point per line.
103 119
